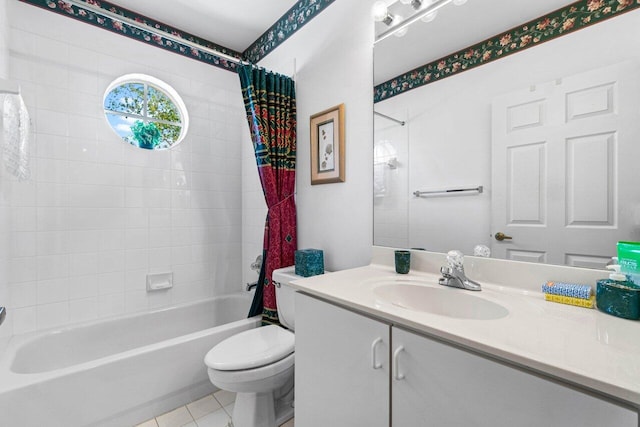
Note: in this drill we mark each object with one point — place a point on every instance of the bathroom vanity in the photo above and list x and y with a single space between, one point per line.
369 356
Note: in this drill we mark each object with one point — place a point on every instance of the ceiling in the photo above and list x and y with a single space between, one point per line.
234 24
453 29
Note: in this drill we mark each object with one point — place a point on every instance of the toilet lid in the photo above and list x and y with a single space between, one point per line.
251 349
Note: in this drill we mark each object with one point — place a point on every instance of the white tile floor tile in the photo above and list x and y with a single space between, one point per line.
214 410
218 418
229 409
204 406
176 418
224 397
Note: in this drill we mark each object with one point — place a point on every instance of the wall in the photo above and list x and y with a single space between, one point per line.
5 209
4 40
98 214
333 65
449 128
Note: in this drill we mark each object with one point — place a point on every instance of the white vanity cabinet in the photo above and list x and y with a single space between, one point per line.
435 384
352 370
341 368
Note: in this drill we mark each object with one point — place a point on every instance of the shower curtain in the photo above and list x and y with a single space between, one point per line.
270 103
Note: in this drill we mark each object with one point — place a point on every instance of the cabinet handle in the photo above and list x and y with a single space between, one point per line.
374 363
396 373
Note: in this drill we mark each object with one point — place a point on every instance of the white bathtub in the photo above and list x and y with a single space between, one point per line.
116 372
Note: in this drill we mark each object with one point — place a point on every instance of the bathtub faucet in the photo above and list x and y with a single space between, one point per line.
3 314
251 285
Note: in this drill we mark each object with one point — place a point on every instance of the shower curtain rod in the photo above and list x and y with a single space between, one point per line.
152 30
400 122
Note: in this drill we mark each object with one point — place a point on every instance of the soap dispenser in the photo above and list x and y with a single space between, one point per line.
618 296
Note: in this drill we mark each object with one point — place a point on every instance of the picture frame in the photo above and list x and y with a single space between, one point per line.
328 146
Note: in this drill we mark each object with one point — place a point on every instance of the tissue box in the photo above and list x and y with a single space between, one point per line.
309 262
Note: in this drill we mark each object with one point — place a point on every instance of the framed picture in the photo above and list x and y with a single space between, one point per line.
327 146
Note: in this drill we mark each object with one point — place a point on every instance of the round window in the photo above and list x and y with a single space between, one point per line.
145 112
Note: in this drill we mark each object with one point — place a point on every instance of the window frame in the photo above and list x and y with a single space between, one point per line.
159 85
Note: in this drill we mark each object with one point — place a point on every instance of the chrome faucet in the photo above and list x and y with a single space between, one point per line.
453 273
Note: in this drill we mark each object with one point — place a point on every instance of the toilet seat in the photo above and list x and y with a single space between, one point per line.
251 349
256 380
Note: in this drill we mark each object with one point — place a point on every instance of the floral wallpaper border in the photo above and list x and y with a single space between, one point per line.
295 18
301 13
65 8
573 17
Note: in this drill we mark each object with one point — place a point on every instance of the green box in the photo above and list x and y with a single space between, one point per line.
629 260
309 262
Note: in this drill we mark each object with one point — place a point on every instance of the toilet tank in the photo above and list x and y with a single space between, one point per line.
284 295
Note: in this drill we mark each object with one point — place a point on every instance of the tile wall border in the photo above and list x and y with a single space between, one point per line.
295 18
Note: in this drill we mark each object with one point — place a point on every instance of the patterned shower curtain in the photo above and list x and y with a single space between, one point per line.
270 103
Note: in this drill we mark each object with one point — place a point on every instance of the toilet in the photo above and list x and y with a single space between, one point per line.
258 364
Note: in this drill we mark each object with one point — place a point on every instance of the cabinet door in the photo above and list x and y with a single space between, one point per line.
342 367
440 385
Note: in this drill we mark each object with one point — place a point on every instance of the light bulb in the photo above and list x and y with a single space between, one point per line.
459 2
400 33
429 16
379 11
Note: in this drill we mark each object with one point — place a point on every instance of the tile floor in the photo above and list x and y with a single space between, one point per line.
213 410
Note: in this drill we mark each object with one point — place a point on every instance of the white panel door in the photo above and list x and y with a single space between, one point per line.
342 367
442 386
563 154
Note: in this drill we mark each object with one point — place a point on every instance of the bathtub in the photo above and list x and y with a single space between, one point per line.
116 372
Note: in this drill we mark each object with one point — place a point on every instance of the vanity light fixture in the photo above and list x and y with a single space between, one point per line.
402 31
416 4
429 16
380 13
426 10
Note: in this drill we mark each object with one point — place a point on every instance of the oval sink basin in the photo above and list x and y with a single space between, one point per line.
449 302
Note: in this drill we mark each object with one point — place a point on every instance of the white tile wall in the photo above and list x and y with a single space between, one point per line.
4 42
254 212
5 211
391 206
98 214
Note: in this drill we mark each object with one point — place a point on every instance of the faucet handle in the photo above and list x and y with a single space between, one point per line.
455 259
446 271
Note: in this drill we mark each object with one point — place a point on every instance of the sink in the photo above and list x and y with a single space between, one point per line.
450 302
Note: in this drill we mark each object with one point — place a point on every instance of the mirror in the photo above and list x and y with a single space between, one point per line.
549 133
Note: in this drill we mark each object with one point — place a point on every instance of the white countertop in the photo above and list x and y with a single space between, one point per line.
582 346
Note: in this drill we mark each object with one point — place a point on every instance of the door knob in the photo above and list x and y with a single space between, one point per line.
500 236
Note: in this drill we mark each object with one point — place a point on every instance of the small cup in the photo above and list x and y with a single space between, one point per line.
403 262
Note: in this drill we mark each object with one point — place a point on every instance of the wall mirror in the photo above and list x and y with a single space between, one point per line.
543 138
